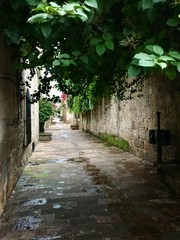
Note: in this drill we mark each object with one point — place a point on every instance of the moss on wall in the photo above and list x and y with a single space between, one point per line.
114 140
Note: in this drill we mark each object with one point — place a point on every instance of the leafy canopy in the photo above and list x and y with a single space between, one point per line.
87 46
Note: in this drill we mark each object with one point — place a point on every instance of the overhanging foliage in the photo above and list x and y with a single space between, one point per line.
87 46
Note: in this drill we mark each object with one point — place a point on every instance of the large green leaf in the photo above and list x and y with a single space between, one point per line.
39 18
173 22
80 14
174 54
46 30
91 3
133 71
146 63
84 59
76 53
158 50
178 67
100 49
166 58
109 44
32 2
64 55
149 48
147 4
162 64
144 56
56 62
95 41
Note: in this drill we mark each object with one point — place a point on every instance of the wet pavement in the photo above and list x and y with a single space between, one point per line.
76 187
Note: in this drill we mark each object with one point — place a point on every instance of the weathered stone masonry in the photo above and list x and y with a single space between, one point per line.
132 119
13 150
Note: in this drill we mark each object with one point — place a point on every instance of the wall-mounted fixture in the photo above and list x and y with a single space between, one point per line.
159 137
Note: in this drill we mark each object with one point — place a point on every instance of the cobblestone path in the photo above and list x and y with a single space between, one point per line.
76 187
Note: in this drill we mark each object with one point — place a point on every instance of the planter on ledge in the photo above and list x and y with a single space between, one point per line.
74 127
45 136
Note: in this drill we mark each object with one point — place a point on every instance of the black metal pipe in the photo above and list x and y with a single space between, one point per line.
158 139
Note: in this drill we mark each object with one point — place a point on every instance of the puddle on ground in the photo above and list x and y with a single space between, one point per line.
66 136
77 159
23 180
27 223
34 202
57 160
59 194
47 238
33 186
92 190
61 182
60 188
56 205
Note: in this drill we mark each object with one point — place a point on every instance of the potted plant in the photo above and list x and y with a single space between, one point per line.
45 111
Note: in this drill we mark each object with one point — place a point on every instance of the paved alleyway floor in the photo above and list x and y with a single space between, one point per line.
76 187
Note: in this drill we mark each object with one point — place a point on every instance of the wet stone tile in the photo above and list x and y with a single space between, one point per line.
26 223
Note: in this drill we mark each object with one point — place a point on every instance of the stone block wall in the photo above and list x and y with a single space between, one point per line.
132 119
13 153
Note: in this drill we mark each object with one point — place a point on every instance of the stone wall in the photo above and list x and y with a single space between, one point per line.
132 119
13 153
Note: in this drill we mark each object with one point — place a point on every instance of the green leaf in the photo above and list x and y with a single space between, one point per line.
162 64
107 36
151 14
147 4
100 49
84 59
15 4
127 32
175 55
109 44
91 3
80 14
53 4
56 62
67 62
32 2
144 56
95 41
173 22
166 58
171 73
13 36
46 30
149 48
64 55
178 67
133 71
135 61
76 53
146 63
158 50
39 18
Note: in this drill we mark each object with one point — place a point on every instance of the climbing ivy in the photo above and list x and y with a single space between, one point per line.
88 46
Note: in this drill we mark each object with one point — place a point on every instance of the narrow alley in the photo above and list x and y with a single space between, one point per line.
76 187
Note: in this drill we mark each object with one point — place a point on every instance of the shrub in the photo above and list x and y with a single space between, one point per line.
45 111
